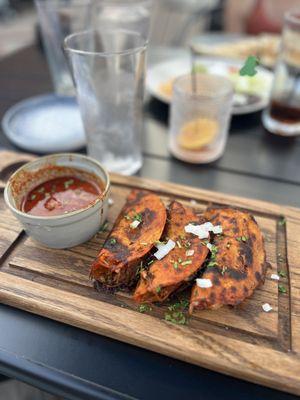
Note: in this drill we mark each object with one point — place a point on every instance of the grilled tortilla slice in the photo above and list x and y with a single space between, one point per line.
176 269
239 265
118 261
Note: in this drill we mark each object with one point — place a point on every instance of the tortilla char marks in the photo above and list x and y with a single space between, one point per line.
240 262
176 269
116 264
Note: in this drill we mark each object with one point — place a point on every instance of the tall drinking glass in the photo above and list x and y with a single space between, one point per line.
108 68
58 19
283 114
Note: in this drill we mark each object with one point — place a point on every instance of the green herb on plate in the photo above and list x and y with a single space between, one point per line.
249 67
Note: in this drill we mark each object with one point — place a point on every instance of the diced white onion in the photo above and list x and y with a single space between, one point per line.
189 253
110 202
197 230
275 277
208 226
134 224
203 283
209 246
217 229
266 307
164 249
193 202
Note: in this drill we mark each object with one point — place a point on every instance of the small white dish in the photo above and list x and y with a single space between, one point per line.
61 231
164 72
45 124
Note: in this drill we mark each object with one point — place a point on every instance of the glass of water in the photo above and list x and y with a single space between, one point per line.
108 66
58 19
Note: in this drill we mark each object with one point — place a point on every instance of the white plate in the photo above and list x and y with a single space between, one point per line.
163 72
45 124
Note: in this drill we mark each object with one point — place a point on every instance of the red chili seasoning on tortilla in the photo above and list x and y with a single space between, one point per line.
60 196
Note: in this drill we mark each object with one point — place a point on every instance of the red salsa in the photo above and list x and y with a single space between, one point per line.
60 196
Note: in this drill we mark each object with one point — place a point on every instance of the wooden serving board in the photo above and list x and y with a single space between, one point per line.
244 341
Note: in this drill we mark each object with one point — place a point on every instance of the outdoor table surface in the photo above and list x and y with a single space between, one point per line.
77 364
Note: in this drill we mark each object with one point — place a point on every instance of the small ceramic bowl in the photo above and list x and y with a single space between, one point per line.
65 230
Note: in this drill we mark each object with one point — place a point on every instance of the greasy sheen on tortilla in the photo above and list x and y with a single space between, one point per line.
176 269
117 263
239 265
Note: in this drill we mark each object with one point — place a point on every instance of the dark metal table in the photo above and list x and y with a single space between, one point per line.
80 365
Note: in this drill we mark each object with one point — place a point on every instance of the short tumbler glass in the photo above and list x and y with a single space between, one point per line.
282 117
200 116
58 19
109 68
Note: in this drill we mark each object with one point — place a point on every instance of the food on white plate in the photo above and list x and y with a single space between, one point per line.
265 46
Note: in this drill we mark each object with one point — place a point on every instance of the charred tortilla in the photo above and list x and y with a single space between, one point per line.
117 262
239 264
176 269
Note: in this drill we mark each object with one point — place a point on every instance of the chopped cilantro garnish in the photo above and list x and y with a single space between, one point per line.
282 274
176 317
282 221
180 305
175 265
249 68
282 289
212 264
138 217
144 308
158 289
140 268
187 262
112 241
159 242
242 238
33 196
150 262
224 269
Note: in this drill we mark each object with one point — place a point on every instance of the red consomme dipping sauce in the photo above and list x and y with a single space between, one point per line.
60 196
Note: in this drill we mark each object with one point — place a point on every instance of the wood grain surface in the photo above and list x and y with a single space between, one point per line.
243 341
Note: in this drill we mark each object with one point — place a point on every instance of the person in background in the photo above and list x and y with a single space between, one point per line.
256 16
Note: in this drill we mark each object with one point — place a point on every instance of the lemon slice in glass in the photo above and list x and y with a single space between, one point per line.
197 133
